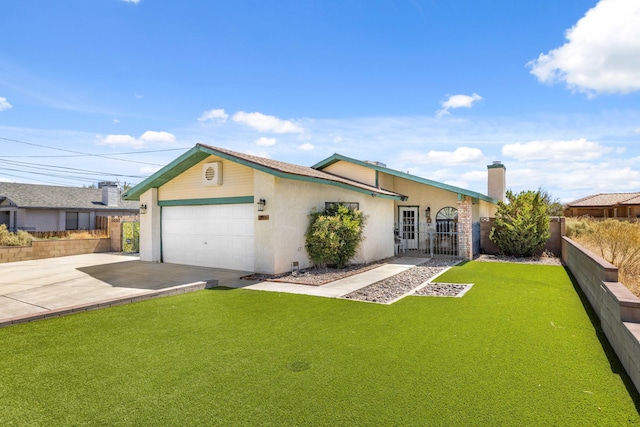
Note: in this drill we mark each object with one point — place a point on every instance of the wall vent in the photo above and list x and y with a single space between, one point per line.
212 173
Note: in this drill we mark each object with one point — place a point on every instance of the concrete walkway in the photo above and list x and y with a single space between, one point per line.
344 286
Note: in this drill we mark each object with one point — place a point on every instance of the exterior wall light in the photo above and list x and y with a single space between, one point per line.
143 209
427 214
261 203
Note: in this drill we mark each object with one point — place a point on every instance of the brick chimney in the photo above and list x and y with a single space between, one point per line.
496 180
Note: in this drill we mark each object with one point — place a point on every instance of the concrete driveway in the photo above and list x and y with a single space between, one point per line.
31 289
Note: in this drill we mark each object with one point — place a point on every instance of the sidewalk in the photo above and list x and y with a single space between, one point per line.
344 286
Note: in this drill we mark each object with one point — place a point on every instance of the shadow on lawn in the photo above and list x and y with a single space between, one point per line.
614 362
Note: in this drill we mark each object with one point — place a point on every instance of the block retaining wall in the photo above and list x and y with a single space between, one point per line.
54 248
617 308
554 244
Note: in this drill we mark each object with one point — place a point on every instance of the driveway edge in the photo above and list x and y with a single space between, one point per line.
175 290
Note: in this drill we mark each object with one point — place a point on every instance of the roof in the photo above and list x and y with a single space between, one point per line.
272 167
55 197
338 157
606 199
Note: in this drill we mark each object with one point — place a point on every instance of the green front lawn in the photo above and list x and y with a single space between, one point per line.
517 349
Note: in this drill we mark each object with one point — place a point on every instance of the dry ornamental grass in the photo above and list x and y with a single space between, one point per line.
616 241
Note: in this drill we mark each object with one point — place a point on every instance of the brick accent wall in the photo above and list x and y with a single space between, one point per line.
465 225
53 248
554 244
617 308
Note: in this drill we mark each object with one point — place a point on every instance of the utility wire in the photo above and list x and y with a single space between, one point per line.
110 154
53 168
77 152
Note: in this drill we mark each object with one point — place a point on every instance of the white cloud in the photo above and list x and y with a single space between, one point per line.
306 147
265 142
569 150
458 101
602 52
130 141
266 123
116 121
149 170
214 115
4 104
462 155
161 137
138 96
131 1
121 141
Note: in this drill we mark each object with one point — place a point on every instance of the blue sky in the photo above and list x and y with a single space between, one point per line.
438 88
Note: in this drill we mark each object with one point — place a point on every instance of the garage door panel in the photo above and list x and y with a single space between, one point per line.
219 236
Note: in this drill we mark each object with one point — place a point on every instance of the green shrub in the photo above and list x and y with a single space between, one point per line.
522 225
19 238
333 236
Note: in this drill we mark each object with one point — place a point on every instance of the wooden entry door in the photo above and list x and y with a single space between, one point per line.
408 216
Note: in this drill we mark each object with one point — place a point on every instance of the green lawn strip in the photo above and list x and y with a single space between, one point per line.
517 349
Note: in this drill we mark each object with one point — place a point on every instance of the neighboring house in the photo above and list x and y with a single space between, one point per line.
33 207
219 208
606 205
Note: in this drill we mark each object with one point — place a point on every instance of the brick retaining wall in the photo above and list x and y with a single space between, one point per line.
617 308
54 248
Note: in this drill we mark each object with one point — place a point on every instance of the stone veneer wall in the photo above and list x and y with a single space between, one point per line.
617 308
465 225
554 244
53 248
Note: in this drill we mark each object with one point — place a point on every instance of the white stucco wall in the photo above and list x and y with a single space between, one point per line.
150 238
280 240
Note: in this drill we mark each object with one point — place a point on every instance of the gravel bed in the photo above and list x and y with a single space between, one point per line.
442 290
545 259
315 276
394 287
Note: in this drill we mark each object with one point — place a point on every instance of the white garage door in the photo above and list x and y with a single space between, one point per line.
219 236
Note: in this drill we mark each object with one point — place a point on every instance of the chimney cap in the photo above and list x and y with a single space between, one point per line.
496 164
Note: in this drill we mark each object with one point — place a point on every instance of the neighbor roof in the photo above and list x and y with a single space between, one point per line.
272 167
338 157
606 199
54 197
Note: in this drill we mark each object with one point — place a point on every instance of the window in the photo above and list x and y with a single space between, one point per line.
77 221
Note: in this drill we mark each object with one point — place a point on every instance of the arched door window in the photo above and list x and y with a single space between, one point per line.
447 220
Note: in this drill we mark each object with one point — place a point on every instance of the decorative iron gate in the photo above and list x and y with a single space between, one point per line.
443 241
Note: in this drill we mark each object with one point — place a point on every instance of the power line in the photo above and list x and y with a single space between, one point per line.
110 154
77 152
53 168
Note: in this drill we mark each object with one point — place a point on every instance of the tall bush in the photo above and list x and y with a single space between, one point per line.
522 225
19 238
333 235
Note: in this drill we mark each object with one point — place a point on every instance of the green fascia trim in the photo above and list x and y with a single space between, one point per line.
167 173
210 201
338 184
199 153
297 177
338 157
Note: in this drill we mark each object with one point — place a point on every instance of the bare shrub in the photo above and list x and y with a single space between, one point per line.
19 238
69 234
616 241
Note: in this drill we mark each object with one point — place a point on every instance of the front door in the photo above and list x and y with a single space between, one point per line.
409 226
